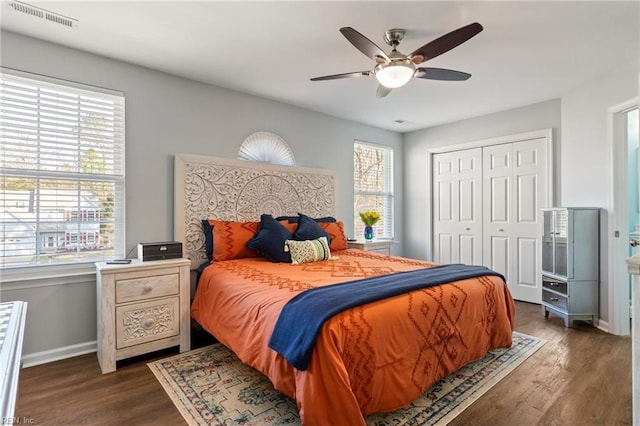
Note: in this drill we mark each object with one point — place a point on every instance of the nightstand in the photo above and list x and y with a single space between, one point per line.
142 307
377 246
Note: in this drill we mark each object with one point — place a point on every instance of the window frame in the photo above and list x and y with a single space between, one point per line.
113 177
384 229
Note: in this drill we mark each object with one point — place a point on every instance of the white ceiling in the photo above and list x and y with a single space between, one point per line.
528 52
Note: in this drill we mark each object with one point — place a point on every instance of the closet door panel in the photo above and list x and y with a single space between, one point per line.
468 244
527 203
467 200
529 175
446 208
527 272
445 249
499 254
499 199
445 203
497 174
457 201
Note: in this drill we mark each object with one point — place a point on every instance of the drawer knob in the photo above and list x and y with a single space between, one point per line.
148 288
553 284
148 322
554 299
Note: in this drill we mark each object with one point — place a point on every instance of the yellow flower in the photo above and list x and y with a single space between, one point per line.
369 217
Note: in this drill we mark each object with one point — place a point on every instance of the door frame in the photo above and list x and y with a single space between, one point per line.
618 247
518 137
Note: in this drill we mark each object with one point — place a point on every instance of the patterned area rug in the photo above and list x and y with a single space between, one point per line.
211 385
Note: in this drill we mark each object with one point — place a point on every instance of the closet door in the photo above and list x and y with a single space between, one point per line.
457 207
513 193
497 212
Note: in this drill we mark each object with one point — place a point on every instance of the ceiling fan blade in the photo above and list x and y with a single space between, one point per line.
382 91
441 74
343 75
445 43
364 45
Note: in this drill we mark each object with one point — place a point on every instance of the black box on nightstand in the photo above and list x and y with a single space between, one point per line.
159 251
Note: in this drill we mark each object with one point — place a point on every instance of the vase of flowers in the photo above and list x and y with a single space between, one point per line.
369 218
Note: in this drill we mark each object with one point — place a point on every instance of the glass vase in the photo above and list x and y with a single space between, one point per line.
368 233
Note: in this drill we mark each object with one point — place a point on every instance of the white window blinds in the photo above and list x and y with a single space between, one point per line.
62 171
373 186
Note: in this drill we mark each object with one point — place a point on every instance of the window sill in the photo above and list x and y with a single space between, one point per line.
32 274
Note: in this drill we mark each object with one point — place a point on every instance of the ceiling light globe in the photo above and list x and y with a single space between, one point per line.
394 75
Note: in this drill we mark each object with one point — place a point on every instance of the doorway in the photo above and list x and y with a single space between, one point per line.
625 203
633 144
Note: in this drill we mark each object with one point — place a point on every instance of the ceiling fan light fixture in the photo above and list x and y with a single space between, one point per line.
394 75
395 69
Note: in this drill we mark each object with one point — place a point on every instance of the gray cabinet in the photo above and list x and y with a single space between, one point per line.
571 263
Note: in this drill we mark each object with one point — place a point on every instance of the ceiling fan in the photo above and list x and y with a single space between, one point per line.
396 69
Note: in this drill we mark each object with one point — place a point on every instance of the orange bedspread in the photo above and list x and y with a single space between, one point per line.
376 357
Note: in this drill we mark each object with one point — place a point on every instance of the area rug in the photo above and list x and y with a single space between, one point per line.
211 386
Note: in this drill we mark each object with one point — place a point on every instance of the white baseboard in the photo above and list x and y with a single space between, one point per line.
37 358
603 325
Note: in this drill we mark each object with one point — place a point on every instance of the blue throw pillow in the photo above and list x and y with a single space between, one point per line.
296 219
270 240
308 229
208 238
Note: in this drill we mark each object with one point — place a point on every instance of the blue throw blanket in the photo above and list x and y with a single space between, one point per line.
299 323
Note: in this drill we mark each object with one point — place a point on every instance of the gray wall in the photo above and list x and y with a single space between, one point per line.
166 115
586 154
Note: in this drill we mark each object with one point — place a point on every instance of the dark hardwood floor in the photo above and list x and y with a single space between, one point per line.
581 376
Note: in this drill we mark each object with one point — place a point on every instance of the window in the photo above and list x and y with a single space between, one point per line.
61 156
373 186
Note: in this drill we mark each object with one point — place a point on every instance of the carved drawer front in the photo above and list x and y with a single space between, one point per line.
147 321
147 287
555 300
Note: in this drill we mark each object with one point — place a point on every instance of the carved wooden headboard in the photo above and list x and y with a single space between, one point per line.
239 190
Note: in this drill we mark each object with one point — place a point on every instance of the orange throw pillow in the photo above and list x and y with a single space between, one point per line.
230 239
290 226
336 232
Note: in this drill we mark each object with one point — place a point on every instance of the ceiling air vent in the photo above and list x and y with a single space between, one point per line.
404 123
38 12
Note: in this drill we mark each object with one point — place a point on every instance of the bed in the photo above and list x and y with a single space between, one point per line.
375 357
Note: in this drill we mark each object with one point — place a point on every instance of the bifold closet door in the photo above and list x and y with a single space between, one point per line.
486 204
457 201
513 193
